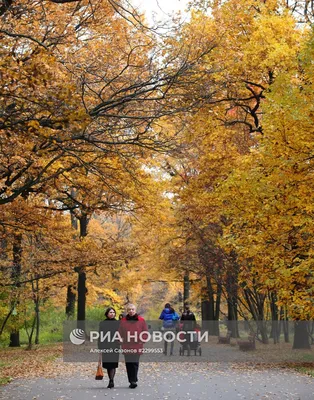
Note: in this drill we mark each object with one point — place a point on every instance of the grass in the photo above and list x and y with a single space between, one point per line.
4 380
308 358
51 325
307 366
50 331
306 370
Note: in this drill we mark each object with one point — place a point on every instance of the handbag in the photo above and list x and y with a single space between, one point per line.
99 373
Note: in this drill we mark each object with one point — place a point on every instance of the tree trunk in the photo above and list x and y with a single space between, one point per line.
36 316
205 309
81 286
301 335
36 302
30 336
4 256
15 339
213 323
37 324
217 309
73 217
71 299
186 287
37 321
16 275
284 324
232 323
6 319
232 298
81 295
255 302
274 314
71 295
286 330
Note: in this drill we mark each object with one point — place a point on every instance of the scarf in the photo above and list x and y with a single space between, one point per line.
134 318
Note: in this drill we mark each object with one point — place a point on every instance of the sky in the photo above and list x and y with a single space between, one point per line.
160 7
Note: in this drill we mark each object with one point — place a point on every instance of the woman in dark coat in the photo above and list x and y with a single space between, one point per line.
110 354
188 322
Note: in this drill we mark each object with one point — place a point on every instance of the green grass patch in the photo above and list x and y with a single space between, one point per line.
4 380
308 358
306 370
51 325
50 328
4 340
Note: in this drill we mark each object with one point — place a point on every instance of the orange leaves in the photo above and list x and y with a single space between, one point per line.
249 162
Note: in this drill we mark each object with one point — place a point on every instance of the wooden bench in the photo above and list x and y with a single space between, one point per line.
224 339
248 344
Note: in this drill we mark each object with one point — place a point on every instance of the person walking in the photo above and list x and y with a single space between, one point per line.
131 326
170 320
187 314
110 347
188 323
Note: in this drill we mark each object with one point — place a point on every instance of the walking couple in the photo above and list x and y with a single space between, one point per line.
127 328
171 323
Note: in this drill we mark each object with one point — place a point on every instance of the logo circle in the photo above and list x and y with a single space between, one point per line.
77 336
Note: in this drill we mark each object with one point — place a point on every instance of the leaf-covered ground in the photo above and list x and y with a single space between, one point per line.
46 360
164 381
40 373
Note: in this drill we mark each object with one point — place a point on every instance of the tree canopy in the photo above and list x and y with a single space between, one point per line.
133 158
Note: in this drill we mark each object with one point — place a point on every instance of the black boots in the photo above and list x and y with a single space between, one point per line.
132 385
110 384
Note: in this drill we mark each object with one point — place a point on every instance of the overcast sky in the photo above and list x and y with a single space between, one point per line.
161 7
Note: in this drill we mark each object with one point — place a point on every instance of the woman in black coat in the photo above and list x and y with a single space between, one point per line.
110 354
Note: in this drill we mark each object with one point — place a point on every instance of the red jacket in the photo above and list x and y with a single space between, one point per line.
130 333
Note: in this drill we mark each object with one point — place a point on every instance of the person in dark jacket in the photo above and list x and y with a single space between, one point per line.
187 314
131 326
188 322
170 320
110 357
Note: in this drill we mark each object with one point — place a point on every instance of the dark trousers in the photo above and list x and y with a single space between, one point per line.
171 343
132 364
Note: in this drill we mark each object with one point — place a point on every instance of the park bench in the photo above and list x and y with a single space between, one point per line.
248 344
224 339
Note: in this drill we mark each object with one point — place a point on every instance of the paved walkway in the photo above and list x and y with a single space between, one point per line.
169 381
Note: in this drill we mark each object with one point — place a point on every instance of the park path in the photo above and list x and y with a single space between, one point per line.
167 381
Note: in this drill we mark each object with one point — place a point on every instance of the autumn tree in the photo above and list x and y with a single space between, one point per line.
81 101
253 56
